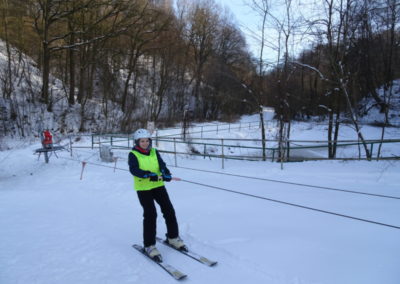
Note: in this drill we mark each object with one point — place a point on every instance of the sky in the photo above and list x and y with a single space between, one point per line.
247 20
250 22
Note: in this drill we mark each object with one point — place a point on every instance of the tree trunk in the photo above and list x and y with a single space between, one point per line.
46 75
354 120
71 97
264 152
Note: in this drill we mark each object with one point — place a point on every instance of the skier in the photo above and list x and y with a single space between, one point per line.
149 172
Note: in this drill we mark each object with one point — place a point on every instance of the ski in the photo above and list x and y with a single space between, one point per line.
190 254
178 275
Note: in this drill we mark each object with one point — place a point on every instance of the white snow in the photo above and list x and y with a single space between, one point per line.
56 228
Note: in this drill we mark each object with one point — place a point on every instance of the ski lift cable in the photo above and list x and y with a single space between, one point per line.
309 186
259 197
293 183
293 204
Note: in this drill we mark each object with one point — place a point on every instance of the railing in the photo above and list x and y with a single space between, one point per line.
250 149
210 128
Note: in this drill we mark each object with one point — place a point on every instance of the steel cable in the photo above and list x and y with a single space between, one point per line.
293 204
261 197
294 183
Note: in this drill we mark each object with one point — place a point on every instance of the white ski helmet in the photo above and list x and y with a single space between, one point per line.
141 133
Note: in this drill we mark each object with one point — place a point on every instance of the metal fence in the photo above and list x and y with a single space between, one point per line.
251 149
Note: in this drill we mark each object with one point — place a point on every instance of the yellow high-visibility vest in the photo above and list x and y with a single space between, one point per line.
147 163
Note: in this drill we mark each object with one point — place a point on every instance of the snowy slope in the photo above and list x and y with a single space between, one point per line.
57 228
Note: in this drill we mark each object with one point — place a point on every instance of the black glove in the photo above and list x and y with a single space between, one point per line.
154 178
166 175
166 178
151 176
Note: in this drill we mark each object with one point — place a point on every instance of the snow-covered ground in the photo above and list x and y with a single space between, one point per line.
56 228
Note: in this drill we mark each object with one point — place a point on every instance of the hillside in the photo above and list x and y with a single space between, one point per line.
371 113
22 114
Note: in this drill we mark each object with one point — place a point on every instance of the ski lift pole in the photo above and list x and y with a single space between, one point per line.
115 163
46 157
83 167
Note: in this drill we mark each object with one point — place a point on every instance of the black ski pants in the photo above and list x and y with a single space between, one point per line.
147 198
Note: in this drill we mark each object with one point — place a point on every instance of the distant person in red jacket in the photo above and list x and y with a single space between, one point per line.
47 139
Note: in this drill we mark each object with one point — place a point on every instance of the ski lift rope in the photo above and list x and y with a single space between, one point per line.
260 197
287 182
294 204
294 183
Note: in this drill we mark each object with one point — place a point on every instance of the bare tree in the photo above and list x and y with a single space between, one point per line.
47 13
338 29
202 33
54 24
285 28
163 70
225 93
262 8
389 18
7 77
283 24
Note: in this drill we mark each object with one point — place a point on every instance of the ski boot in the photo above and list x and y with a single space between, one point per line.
177 243
153 253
